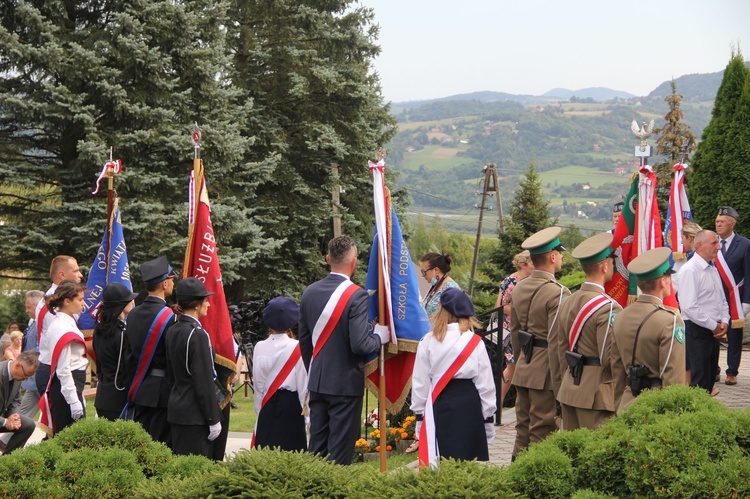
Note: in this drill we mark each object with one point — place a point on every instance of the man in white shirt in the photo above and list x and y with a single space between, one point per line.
703 307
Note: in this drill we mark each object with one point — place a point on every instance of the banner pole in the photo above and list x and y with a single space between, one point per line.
382 415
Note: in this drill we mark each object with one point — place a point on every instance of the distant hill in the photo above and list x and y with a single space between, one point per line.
483 96
599 94
694 87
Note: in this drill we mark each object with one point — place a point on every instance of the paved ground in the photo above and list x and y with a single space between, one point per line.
737 396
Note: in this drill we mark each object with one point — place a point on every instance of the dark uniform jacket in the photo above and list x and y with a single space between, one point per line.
738 260
538 317
111 361
154 391
339 367
597 389
192 400
661 346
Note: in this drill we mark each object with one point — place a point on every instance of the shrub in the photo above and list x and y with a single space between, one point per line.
671 401
185 466
100 434
36 461
99 473
543 471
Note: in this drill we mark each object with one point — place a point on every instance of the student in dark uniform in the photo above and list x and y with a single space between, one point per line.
648 340
193 409
280 380
152 392
109 348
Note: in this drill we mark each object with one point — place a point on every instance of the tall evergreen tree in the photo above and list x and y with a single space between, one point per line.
305 66
738 161
713 177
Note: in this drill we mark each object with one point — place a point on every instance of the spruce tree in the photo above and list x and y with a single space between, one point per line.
738 162
713 177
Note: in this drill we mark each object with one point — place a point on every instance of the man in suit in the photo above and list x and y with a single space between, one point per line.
648 340
12 373
153 389
533 316
734 255
333 342
587 391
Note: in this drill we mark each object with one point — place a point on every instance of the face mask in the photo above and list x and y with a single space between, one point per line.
433 281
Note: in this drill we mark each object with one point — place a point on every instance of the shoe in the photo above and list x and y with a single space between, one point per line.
715 392
414 447
731 380
717 378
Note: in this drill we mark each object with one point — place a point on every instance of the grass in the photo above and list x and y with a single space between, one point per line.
569 175
435 157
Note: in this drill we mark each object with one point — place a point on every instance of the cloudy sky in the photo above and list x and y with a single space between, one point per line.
438 48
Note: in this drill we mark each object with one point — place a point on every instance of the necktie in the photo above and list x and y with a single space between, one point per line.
724 247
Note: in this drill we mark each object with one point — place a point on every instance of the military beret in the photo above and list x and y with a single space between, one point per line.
458 303
594 249
618 207
156 271
281 313
729 211
651 264
544 241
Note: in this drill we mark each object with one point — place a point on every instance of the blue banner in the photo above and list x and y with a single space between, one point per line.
110 265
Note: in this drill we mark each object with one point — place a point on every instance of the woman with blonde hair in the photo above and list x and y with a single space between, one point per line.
14 350
453 391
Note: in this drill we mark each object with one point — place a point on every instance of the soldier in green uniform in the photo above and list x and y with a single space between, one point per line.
587 391
648 340
533 313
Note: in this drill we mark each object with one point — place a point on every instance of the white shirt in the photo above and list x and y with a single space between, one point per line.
45 351
476 368
265 355
701 296
72 356
728 241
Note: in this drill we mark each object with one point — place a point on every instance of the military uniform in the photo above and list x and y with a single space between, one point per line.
661 341
589 400
534 309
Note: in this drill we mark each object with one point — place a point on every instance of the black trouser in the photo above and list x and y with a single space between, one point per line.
191 439
41 377
19 436
700 346
734 351
334 426
61 417
220 444
154 421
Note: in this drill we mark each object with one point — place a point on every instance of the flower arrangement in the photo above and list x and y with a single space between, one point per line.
362 447
409 427
372 420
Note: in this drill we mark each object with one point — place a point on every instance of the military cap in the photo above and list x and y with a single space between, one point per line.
156 271
618 207
651 264
191 289
281 313
594 249
729 211
116 294
544 241
457 302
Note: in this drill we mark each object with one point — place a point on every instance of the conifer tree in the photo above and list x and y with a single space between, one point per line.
713 175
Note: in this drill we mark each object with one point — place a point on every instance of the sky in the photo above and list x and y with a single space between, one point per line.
437 48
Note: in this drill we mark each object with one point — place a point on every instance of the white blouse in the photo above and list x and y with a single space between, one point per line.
265 355
72 357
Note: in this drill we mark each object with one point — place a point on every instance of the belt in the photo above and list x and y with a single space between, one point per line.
540 343
591 361
158 373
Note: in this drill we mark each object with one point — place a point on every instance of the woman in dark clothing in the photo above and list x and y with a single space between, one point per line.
111 368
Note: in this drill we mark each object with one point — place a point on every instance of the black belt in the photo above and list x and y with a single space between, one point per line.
591 361
158 373
540 343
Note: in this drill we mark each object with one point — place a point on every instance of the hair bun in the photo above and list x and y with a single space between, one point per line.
447 258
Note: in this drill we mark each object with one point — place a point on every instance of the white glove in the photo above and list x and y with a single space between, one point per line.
417 430
489 431
745 309
213 431
384 333
76 410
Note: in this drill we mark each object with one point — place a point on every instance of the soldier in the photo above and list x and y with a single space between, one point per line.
587 392
616 214
534 307
648 340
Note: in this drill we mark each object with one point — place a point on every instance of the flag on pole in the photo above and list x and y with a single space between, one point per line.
202 261
678 211
110 265
404 315
620 288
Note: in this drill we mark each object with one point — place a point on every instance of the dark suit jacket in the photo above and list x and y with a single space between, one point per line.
339 367
738 260
192 400
111 394
154 391
10 400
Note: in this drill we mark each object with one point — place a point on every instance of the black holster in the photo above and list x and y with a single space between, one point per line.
638 379
575 365
527 344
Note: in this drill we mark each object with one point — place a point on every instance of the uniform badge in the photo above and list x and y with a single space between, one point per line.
612 316
679 333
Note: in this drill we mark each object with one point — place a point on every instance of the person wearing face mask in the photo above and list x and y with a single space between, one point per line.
109 343
435 268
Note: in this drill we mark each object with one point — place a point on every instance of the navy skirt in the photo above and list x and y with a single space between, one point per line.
281 424
459 424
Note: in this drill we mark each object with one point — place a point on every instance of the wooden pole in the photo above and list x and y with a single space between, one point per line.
110 186
335 200
486 169
382 415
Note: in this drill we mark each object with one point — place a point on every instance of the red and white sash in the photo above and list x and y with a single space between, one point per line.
281 370
444 371
735 302
330 316
40 322
589 309
46 422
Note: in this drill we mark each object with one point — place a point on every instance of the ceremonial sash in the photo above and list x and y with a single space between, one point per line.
331 315
153 336
279 373
46 421
735 303
428 449
589 309
40 322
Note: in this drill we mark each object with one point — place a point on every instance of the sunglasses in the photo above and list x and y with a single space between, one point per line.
423 271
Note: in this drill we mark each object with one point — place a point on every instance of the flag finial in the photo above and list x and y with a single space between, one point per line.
196 138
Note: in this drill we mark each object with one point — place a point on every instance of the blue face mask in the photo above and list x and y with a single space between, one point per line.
433 281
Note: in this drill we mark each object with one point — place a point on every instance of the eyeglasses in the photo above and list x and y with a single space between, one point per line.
423 271
26 375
